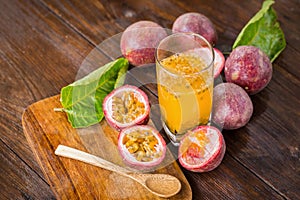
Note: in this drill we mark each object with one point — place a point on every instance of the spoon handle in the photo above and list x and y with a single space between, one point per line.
76 154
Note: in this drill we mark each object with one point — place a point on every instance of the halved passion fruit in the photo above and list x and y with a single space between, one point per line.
126 106
141 146
202 149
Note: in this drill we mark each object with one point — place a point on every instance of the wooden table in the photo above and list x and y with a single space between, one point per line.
43 43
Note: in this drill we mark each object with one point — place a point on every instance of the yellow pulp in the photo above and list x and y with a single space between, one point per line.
185 99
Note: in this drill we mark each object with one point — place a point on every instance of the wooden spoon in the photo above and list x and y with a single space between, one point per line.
163 185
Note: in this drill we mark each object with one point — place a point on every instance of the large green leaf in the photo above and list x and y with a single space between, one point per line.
263 31
82 100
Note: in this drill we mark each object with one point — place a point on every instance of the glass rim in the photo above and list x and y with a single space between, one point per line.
211 63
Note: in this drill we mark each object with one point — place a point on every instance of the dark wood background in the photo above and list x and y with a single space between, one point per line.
43 43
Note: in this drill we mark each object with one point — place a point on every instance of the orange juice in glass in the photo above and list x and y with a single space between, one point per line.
184 69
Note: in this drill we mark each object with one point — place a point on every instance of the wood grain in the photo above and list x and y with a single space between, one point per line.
38 54
14 169
29 56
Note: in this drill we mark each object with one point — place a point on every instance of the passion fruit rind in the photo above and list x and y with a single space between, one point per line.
219 62
141 146
214 160
126 106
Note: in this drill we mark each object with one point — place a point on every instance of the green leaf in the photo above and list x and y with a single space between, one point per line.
121 77
82 100
263 31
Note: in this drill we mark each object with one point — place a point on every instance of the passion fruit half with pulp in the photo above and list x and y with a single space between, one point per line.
126 106
141 146
202 149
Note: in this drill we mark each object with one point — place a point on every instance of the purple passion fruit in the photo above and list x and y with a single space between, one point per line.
141 146
126 106
248 67
139 40
196 23
202 149
232 106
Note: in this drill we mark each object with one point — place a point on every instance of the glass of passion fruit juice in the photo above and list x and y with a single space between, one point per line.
184 69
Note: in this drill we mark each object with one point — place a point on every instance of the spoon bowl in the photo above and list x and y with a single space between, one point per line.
162 185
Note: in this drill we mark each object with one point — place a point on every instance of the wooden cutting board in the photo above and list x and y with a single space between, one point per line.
45 129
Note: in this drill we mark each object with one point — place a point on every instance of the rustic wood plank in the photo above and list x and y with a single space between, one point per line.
230 181
38 56
113 14
18 180
271 107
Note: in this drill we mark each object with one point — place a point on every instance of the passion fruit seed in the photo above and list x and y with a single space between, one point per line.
127 107
142 144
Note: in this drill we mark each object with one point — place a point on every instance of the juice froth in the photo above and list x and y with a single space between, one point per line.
185 87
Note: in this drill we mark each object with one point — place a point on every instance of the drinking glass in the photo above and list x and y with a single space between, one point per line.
184 69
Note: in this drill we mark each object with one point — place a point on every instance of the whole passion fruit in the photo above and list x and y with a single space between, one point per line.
196 23
126 106
248 67
141 146
232 106
202 149
139 40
